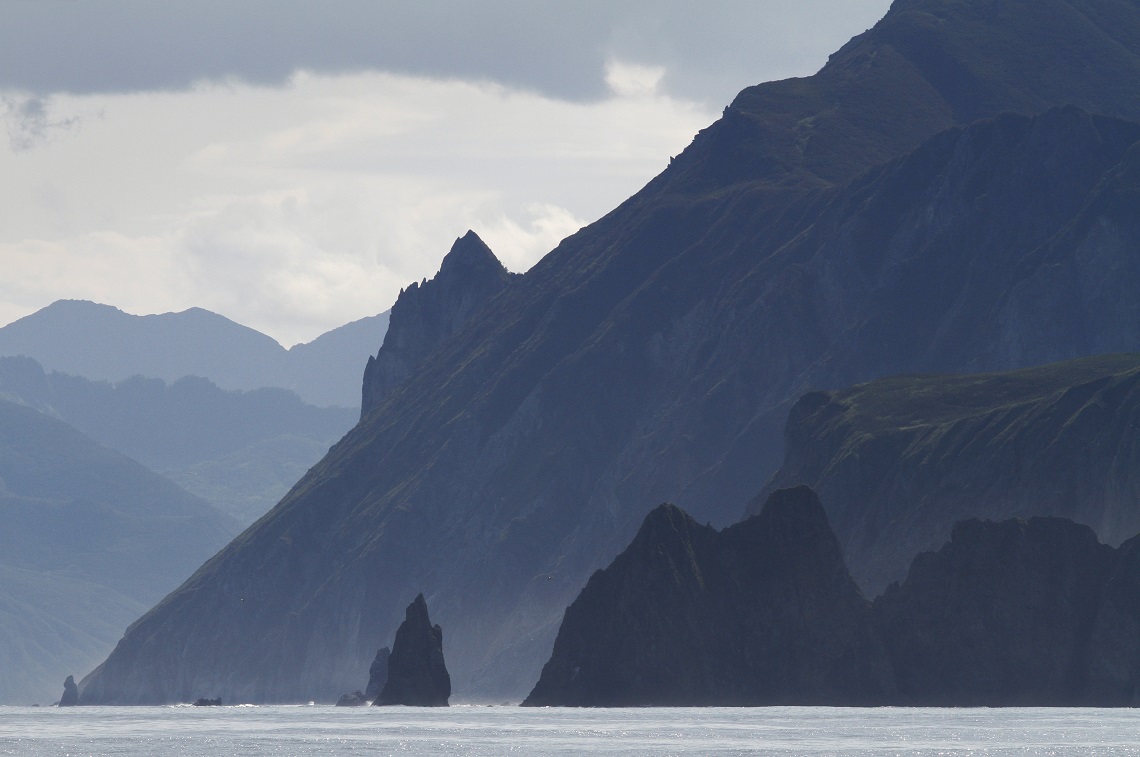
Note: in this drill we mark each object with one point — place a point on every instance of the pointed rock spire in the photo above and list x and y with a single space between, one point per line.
426 314
417 675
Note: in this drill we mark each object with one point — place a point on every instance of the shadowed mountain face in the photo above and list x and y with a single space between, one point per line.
899 460
101 342
762 613
821 233
426 314
1014 613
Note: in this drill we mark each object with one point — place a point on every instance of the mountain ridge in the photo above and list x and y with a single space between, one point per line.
102 342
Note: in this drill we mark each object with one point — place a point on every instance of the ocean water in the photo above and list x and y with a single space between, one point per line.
475 730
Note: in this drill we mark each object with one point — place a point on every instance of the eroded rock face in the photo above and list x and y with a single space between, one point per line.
898 461
1002 615
1014 613
377 674
761 613
70 696
417 675
427 313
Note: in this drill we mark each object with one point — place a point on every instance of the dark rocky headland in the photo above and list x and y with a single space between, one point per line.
1012 613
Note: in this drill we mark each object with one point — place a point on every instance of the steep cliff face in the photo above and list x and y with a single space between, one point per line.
1001 616
819 234
1015 613
897 461
1113 677
761 613
426 314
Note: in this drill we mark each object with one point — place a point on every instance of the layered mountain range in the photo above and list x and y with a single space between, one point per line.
825 231
90 539
240 451
102 343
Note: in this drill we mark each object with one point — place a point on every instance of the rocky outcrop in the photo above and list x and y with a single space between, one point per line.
898 461
1030 613
355 699
761 613
1002 615
70 696
427 313
417 675
377 674
206 702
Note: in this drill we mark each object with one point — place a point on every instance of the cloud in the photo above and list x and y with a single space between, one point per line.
296 209
30 122
710 49
633 80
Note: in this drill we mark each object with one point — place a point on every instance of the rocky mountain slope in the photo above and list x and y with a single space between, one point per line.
824 231
899 460
761 613
240 451
90 538
427 314
1030 613
100 342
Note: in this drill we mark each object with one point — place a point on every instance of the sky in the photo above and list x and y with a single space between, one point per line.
292 165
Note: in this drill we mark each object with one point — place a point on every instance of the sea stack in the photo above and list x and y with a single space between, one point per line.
70 696
417 675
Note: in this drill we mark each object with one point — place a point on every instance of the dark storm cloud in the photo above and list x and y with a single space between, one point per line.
559 49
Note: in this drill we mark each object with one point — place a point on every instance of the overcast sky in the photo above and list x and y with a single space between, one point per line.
291 165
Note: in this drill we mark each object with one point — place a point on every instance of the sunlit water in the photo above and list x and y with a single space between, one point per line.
323 730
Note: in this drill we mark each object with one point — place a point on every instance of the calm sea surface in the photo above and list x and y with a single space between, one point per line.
323 730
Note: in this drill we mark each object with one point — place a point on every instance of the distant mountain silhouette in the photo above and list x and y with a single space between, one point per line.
89 538
241 451
101 342
825 231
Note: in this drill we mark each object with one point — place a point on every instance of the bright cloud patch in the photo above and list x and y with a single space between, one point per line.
632 80
297 209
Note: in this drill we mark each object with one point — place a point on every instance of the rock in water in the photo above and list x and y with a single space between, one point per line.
417 675
355 699
70 696
761 613
377 674
204 702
